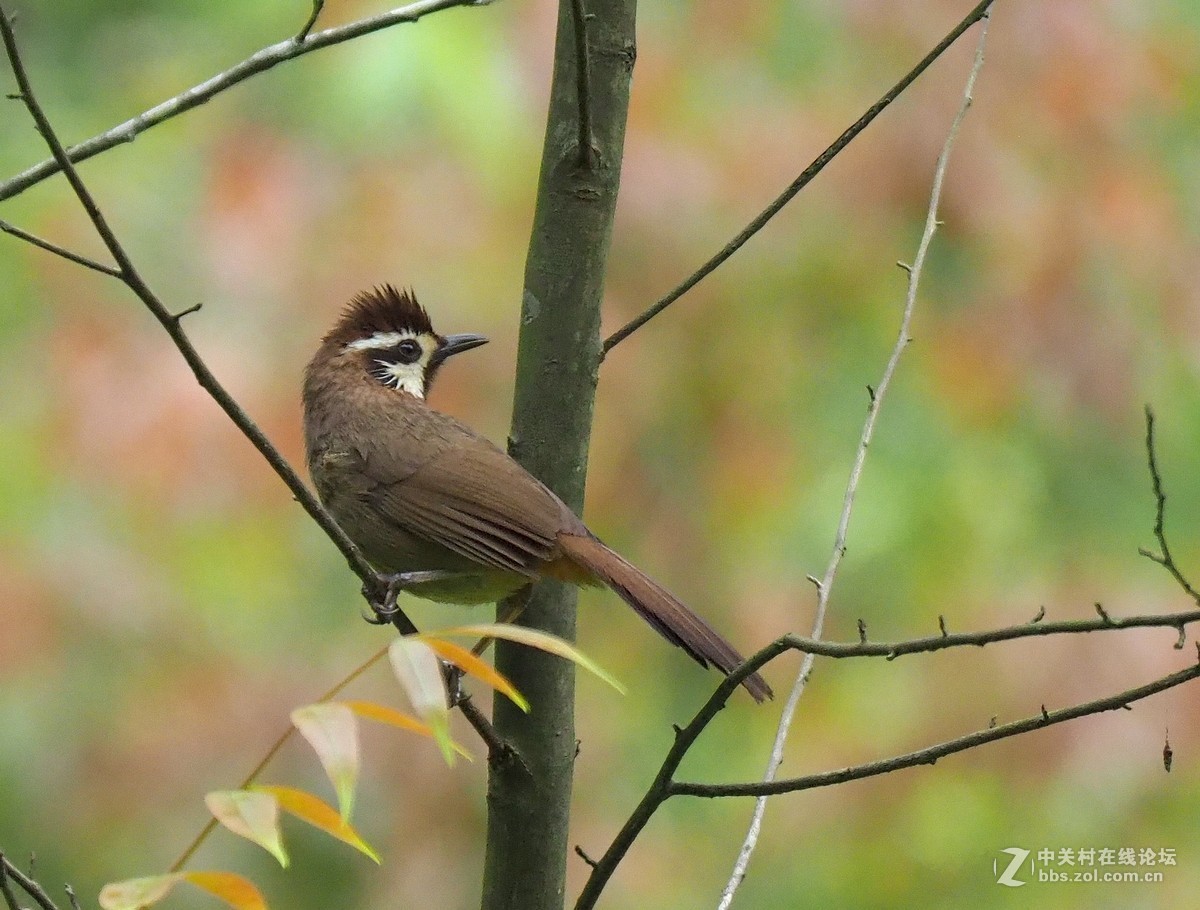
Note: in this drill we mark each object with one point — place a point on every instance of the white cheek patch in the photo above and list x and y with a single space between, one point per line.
380 341
405 377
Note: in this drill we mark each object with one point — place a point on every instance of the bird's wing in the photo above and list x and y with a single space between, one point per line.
471 498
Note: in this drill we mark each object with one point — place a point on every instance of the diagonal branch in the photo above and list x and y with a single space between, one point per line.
662 787
375 587
928 756
797 185
172 323
59 251
27 884
259 62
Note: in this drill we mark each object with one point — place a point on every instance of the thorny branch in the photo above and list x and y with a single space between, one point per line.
664 786
928 756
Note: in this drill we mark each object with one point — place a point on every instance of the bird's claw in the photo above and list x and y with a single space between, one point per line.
382 612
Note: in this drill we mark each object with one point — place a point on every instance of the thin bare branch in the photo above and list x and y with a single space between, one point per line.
797 185
1163 557
661 788
376 589
26 883
57 250
928 756
1033 629
173 326
875 402
10 898
317 7
256 63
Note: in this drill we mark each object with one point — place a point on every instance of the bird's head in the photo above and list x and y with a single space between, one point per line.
388 335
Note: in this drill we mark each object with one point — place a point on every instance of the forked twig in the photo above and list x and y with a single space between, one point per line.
1163 557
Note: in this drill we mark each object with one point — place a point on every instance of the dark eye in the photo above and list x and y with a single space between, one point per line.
408 351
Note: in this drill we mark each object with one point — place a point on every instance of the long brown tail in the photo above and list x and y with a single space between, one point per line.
659 607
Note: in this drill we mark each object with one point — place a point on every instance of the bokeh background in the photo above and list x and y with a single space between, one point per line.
164 603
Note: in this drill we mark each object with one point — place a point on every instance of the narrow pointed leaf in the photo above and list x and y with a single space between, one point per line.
252 815
419 670
470 663
319 814
383 714
136 893
332 731
235 890
543 641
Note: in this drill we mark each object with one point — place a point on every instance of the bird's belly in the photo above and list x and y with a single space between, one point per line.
470 588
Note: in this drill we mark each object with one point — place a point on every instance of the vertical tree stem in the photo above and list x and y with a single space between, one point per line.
557 363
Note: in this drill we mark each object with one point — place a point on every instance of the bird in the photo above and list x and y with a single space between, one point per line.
426 498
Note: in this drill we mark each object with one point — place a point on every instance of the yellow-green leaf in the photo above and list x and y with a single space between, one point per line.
383 714
319 814
534 638
251 814
417 667
235 890
136 893
332 731
470 663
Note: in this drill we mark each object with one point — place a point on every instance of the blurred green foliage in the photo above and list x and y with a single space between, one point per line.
164 604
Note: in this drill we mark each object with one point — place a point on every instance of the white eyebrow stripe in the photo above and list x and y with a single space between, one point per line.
379 341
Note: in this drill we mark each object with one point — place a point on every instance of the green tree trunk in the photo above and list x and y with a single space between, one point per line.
557 364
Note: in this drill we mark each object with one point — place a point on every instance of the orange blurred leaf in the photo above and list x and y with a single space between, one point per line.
137 893
235 890
383 714
319 814
471 663
534 638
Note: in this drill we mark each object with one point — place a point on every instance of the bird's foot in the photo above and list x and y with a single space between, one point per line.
383 610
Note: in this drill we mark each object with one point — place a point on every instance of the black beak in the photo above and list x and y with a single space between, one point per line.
456 344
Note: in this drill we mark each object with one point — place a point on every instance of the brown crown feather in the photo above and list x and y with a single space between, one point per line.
382 309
